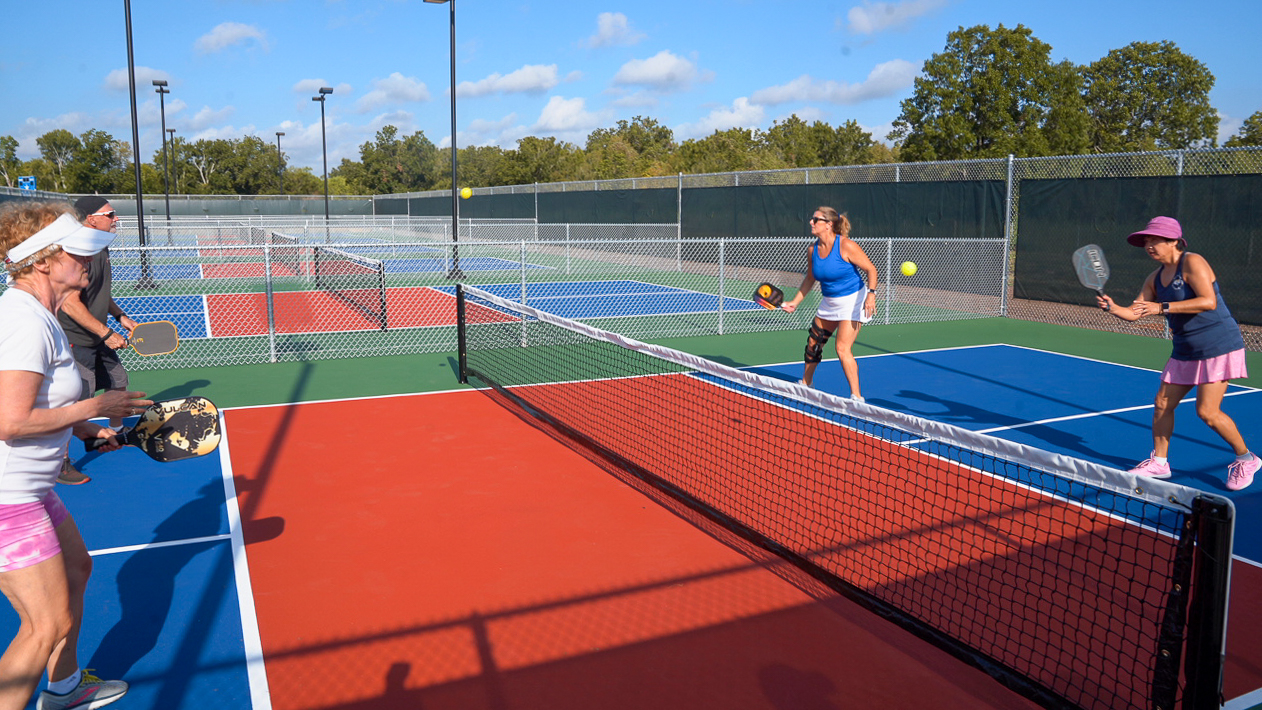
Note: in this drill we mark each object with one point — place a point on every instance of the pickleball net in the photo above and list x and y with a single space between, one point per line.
1074 584
356 280
359 281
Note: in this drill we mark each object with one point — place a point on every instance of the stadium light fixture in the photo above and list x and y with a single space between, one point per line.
162 91
324 150
280 160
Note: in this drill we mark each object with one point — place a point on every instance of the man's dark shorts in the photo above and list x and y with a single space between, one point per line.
99 368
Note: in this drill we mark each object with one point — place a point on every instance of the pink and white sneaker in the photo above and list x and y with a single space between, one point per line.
1240 473
1151 468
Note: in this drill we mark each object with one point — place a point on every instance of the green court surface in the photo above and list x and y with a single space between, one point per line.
245 385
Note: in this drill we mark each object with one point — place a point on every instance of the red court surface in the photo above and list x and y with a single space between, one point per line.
238 314
440 552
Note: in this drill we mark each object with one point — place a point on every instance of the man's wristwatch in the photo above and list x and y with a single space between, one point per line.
1165 308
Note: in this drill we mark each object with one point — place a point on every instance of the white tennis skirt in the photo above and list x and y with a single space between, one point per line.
844 307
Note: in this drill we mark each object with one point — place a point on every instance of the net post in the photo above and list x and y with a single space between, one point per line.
1207 617
381 285
461 343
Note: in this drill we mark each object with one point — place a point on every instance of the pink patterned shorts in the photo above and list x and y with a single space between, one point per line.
28 532
1201 372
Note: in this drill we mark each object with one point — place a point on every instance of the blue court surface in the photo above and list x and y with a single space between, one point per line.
170 607
189 313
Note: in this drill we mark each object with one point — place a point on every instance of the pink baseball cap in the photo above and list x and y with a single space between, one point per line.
1164 227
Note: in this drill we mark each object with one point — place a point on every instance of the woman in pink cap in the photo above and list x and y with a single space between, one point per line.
1208 347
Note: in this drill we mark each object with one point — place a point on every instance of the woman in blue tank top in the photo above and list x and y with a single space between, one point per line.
1208 350
849 299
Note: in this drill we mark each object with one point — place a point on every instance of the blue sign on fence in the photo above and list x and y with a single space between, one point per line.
26 182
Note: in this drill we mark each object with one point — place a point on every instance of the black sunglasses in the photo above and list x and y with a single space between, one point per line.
819 219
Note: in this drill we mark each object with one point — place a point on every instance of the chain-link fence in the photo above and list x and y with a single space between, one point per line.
254 293
977 239
1223 217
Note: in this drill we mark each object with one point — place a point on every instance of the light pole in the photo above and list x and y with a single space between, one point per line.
146 273
162 91
324 149
172 132
280 160
455 272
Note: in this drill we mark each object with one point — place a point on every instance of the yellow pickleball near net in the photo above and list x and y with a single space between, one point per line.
909 268
466 192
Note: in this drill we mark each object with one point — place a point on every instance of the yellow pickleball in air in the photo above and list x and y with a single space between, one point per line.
466 192
909 268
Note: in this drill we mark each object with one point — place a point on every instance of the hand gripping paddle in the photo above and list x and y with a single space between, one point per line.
768 296
1092 268
172 430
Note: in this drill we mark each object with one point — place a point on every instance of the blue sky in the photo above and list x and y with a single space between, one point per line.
527 67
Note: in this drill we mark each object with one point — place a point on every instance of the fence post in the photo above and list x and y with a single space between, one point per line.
722 271
679 224
269 294
889 277
1007 238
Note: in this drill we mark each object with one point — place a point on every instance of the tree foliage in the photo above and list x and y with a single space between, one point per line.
389 164
991 93
1250 133
799 145
9 163
539 160
1149 96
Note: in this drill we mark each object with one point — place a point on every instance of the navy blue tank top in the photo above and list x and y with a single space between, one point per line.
1198 336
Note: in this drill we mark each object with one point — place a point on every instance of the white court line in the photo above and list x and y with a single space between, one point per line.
260 694
1087 415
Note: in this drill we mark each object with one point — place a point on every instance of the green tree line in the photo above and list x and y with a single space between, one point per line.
988 94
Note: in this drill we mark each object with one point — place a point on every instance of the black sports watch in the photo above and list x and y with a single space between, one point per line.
1165 308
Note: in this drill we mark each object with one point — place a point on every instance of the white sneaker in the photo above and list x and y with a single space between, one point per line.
857 398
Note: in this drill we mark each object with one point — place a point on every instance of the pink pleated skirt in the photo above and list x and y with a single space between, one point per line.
1200 372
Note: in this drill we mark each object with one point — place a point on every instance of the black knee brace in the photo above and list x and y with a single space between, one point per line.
815 343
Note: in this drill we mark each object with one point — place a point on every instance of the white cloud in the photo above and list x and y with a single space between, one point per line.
741 114
530 79
1228 126
566 116
117 79
635 99
206 117
663 71
613 29
229 34
504 133
872 17
227 133
884 80
393 89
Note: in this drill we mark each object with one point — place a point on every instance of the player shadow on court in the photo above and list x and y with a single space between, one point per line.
962 415
146 584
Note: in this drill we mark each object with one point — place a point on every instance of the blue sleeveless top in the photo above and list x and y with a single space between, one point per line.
1198 336
836 276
